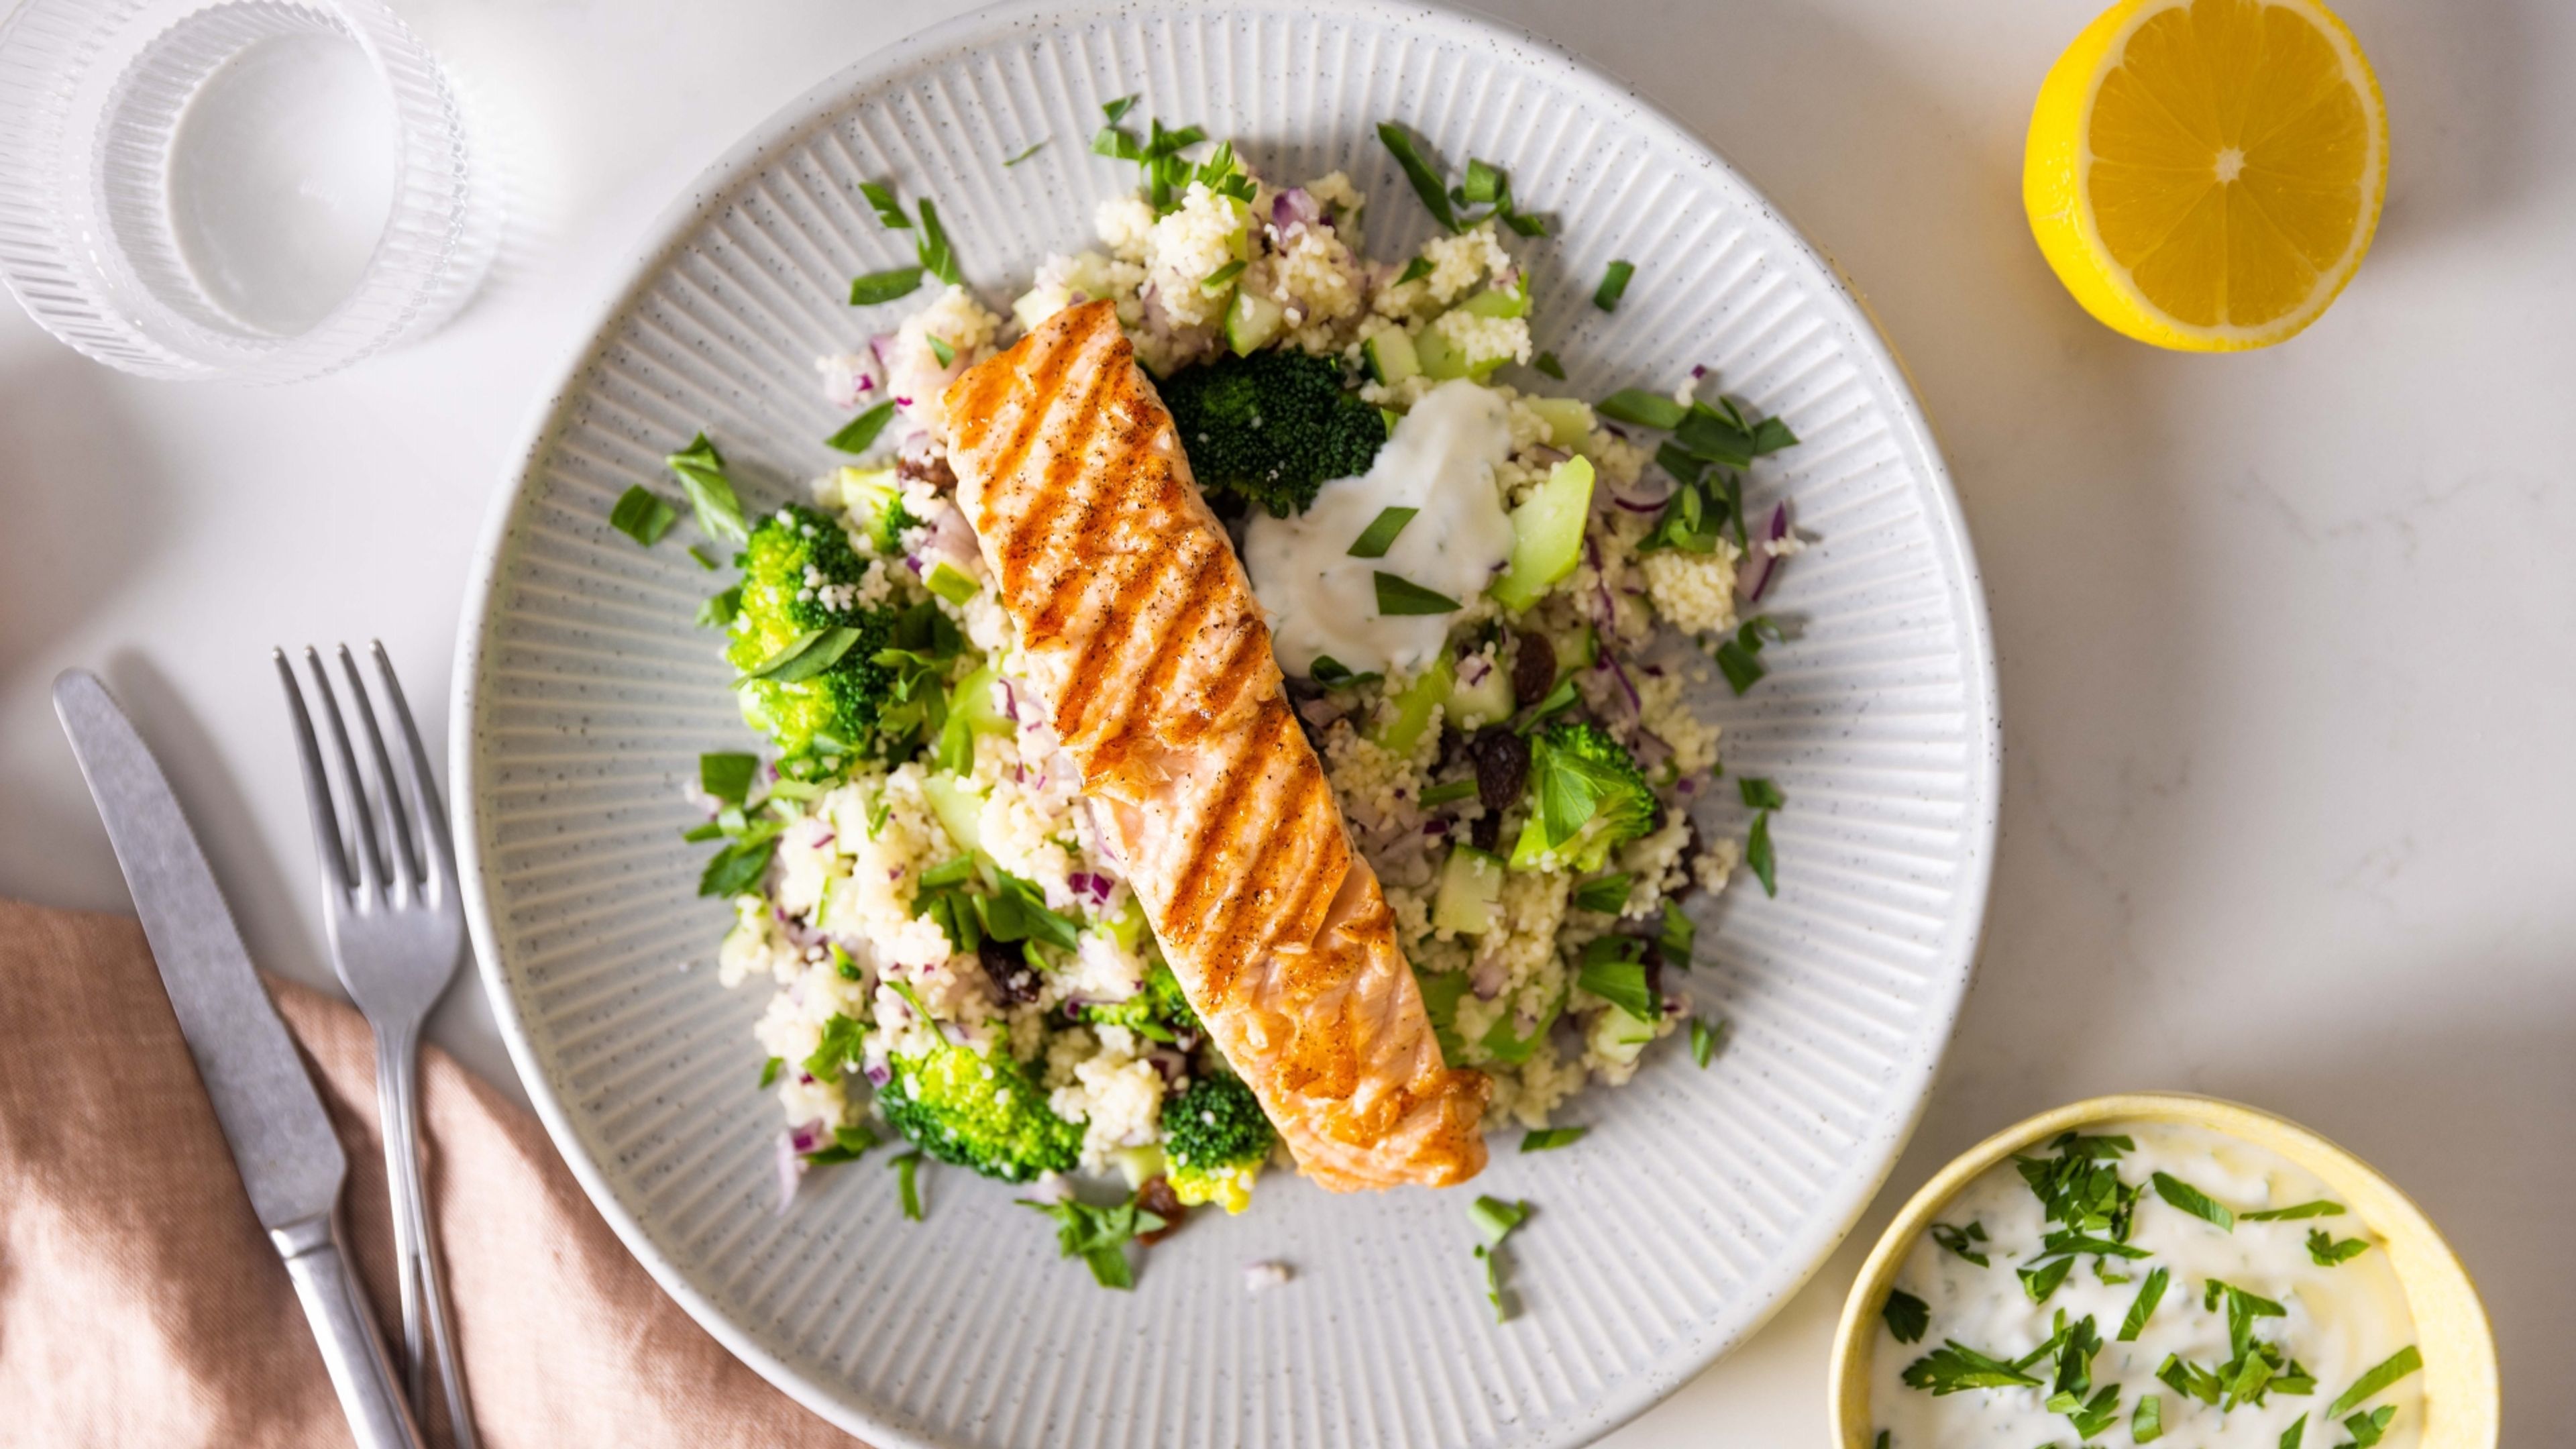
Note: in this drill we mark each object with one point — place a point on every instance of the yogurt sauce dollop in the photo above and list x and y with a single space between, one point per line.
1323 602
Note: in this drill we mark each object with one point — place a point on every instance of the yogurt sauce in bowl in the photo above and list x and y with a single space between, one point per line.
2140 1282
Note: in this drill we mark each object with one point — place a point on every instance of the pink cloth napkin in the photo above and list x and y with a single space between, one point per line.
141 1305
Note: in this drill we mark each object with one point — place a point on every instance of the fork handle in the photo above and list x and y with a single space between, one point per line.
424 1285
352 1350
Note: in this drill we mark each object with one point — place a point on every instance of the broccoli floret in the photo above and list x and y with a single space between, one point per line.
1272 428
983 1110
839 707
1577 764
1160 1011
1215 1139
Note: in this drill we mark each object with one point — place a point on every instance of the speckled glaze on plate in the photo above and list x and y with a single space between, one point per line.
1701 1200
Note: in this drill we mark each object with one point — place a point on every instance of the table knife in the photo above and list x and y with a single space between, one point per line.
290 1161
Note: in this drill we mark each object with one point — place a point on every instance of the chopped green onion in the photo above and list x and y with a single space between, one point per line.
1426 182
2298 1430
1023 156
769 1071
906 1183
1380 535
1676 935
1612 971
1414 271
871 288
1217 280
705 560
2148 1424
859 433
1757 854
1447 791
889 211
1614 285
642 515
1548 1139
1642 409
1759 793
1399 597
2368 1429
1704 1041
1546 362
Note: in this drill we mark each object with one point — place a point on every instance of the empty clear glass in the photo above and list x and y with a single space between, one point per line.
258 190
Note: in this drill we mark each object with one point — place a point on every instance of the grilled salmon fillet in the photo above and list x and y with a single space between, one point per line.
1142 631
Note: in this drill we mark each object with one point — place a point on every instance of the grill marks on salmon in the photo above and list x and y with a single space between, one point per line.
1140 628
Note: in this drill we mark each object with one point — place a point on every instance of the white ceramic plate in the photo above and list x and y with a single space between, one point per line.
1701 1200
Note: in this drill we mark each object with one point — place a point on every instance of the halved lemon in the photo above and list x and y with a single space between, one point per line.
2206 174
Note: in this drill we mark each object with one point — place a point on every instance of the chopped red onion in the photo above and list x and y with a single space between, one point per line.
878 1074
1698 371
1294 207
1640 505
809 1137
1548 454
1486 978
903 402
1766 566
1474 668
791 1167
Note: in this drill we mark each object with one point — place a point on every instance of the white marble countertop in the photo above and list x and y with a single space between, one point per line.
2288 639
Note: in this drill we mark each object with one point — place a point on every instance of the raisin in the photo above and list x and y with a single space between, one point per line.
1008 967
1157 1197
1533 668
1502 767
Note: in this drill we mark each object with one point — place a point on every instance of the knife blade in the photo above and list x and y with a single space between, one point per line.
289 1157
290 1160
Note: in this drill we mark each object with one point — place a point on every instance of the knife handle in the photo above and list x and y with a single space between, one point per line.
352 1349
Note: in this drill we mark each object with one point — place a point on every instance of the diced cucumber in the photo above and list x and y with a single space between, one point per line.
1583 852
1391 358
959 807
950 582
1253 322
1471 888
1494 302
1510 1047
1547 535
1568 419
1441 360
1137 1165
1128 927
1618 1037
1413 707
1483 702
1579 650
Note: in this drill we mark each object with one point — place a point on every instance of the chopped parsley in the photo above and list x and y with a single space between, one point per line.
2327 1253
1400 597
1334 674
1449 791
1613 969
937 257
836 1047
940 349
1954 1366
849 1144
1963 1241
769 1072
720 609
1546 362
1223 277
1759 793
1024 155
1757 854
2041 1281
1614 285
1908 1317
1414 271
1644 409
1676 935
1605 894
1739 657
2397 1366
805 656
702 477
1381 533
1485 185
1099 1235
2193 1201
2143 1307
889 211
643 515
1167 172
727 776
2318 1209
1548 1139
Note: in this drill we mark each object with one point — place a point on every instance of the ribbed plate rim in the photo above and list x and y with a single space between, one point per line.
665 238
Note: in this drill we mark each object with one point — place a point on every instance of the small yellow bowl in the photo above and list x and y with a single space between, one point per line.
2461 1399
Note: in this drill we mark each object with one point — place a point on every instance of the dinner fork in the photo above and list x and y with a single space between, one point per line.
396 929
